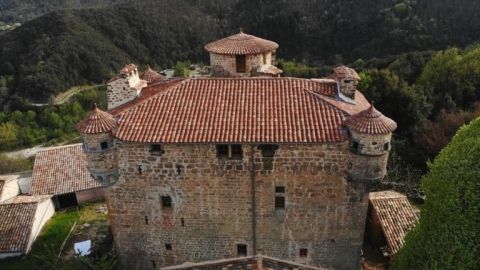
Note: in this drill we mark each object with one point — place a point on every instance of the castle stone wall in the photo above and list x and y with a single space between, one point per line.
212 205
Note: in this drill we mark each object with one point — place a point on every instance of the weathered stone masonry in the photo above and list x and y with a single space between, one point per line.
213 198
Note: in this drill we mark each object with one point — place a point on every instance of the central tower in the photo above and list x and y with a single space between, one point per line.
243 55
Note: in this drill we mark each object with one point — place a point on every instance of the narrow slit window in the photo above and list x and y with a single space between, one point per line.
355 146
241 250
386 146
166 202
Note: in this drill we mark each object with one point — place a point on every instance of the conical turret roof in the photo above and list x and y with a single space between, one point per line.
151 75
97 121
371 121
241 44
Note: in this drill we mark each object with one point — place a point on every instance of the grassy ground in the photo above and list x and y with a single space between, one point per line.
90 224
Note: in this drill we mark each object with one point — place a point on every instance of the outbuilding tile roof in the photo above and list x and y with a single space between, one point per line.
343 72
16 226
236 110
128 68
396 216
150 75
61 170
97 121
241 44
371 121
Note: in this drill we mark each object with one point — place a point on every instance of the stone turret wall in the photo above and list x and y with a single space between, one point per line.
212 205
225 65
100 162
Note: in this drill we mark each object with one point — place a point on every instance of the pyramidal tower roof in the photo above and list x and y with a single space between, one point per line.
241 44
151 75
97 121
371 121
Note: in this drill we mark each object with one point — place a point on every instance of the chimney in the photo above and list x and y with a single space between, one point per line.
347 80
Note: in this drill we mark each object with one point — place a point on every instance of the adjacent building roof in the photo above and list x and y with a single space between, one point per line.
241 44
97 121
127 69
396 216
61 170
343 72
150 76
371 121
255 110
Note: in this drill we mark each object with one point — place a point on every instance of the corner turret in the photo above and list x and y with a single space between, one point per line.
98 143
124 87
370 137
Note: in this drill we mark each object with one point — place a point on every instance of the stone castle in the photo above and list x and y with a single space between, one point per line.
243 163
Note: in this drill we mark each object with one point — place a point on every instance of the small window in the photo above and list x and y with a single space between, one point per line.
156 150
279 189
230 151
166 202
264 59
268 150
303 252
279 202
104 145
241 250
241 61
386 146
355 146
168 247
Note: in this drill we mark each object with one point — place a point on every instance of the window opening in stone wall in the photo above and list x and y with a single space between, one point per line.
230 151
146 220
241 250
168 247
179 168
264 58
241 61
156 150
279 197
166 202
303 252
355 146
104 145
154 265
268 153
386 146
183 222
140 169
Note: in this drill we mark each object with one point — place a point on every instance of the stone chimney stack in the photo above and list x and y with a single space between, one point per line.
347 80
124 87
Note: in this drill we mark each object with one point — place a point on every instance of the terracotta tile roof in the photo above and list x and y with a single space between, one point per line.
236 110
61 170
269 69
154 88
396 216
371 121
150 75
127 69
241 44
97 121
16 226
343 72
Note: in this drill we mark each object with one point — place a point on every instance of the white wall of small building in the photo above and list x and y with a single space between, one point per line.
45 211
10 190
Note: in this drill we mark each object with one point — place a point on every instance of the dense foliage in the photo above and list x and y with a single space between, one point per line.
71 47
447 236
30 125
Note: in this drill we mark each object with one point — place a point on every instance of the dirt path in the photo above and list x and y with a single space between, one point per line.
28 152
65 96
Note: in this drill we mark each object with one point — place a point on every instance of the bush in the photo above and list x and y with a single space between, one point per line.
447 236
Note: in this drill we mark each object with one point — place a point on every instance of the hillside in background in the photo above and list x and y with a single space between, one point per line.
70 47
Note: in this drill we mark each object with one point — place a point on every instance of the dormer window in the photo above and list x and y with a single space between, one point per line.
230 151
156 150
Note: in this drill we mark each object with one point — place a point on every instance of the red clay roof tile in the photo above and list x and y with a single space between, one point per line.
97 121
150 76
371 121
61 170
241 44
235 110
16 226
395 214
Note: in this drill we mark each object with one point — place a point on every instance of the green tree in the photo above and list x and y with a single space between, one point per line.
8 135
447 236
